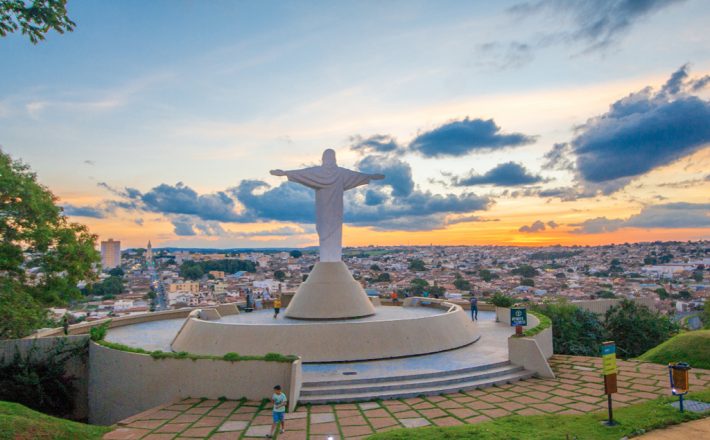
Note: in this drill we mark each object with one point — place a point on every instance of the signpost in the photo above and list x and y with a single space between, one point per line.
609 370
518 319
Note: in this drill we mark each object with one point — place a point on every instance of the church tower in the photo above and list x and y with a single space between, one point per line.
149 252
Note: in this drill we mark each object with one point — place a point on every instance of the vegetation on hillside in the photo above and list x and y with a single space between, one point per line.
633 327
633 420
42 254
20 422
194 270
691 347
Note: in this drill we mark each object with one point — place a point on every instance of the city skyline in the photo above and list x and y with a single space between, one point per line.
535 123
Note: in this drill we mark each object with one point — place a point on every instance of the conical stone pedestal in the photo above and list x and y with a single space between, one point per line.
330 292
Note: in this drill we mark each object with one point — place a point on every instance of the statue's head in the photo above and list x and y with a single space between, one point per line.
329 158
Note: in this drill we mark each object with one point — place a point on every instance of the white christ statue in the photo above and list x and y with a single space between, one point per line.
330 182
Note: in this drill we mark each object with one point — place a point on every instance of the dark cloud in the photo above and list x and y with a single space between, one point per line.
558 158
183 226
90 162
640 132
379 143
287 202
669 215
597 24
181 199
458 138
84 211
505 174
139 221
537 226
552 224
501 56
374 197
469 219
398 174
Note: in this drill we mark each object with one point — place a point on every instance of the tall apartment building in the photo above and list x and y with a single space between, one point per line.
110 254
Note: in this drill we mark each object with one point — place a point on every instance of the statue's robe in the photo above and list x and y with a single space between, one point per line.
330 182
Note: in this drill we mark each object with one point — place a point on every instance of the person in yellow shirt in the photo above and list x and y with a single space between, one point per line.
277 306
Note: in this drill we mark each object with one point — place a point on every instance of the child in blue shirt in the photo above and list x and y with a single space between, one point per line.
279 400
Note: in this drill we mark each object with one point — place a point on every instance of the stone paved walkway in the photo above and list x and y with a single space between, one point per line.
577 389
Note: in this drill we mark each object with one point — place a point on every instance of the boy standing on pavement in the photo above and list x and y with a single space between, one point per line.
279 400
277 306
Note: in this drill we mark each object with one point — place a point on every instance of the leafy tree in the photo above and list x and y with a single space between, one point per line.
462 284
42 255
650 261
661 292
698 276
436 291
525 271
384 277
575 331
280 275
191 271
418 286
527 282
683 294
605 294
116 272
296 253
666 258
636 329
375 268
417 265
34 19
486 275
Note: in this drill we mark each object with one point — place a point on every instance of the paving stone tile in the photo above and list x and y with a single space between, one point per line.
321 409
243 416
324 428
322 418
559 400
570 411
406 414
209 402
159 437
352 420
381 422
163 415
233 425
292 435
495 412
262 420
529 412
463 400
296 415
538 395
491 398
220 412
507 394
209 421
179 407
201 432
477 419
190 400
549 407
398 408
245 410
432 413
351 431
644 395
448 404
173 428
423 405
584 407
447 421
126 434
414 422
297 424
369 405
198 410
413 400
232 435
340 406
376 413
145 424
479 404
435 399
258 431
589 399
347 413
229 404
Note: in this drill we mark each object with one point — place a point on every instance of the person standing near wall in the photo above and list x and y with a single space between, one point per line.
474 308
279 400
277 306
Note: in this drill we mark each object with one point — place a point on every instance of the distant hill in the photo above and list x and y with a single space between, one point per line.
691 347
19 422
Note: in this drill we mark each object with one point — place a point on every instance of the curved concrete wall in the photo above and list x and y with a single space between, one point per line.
122 384
323 341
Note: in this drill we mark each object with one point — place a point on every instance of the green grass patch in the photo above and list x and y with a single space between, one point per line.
633 420
19 422
691 347
229 357
545 323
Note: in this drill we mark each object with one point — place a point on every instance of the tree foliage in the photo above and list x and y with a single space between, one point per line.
42 254
575 331
525 271
34 19
194 270
417 265
296 253
279 275
636 329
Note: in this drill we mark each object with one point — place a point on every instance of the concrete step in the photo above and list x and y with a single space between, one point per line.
404 383
355 395
436 374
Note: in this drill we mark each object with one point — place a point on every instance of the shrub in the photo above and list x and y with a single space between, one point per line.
636 329
231 357
500 300
98 333
575 331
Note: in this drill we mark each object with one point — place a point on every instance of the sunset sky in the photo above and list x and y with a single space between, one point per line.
512 123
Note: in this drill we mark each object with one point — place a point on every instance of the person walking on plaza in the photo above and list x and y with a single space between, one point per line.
474 308
279 400
394 298
277 306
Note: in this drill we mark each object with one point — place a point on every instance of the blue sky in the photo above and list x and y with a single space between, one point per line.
213 94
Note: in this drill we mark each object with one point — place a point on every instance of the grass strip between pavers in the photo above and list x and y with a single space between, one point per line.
632 420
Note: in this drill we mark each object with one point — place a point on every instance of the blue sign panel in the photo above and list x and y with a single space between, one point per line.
518 317
608 349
